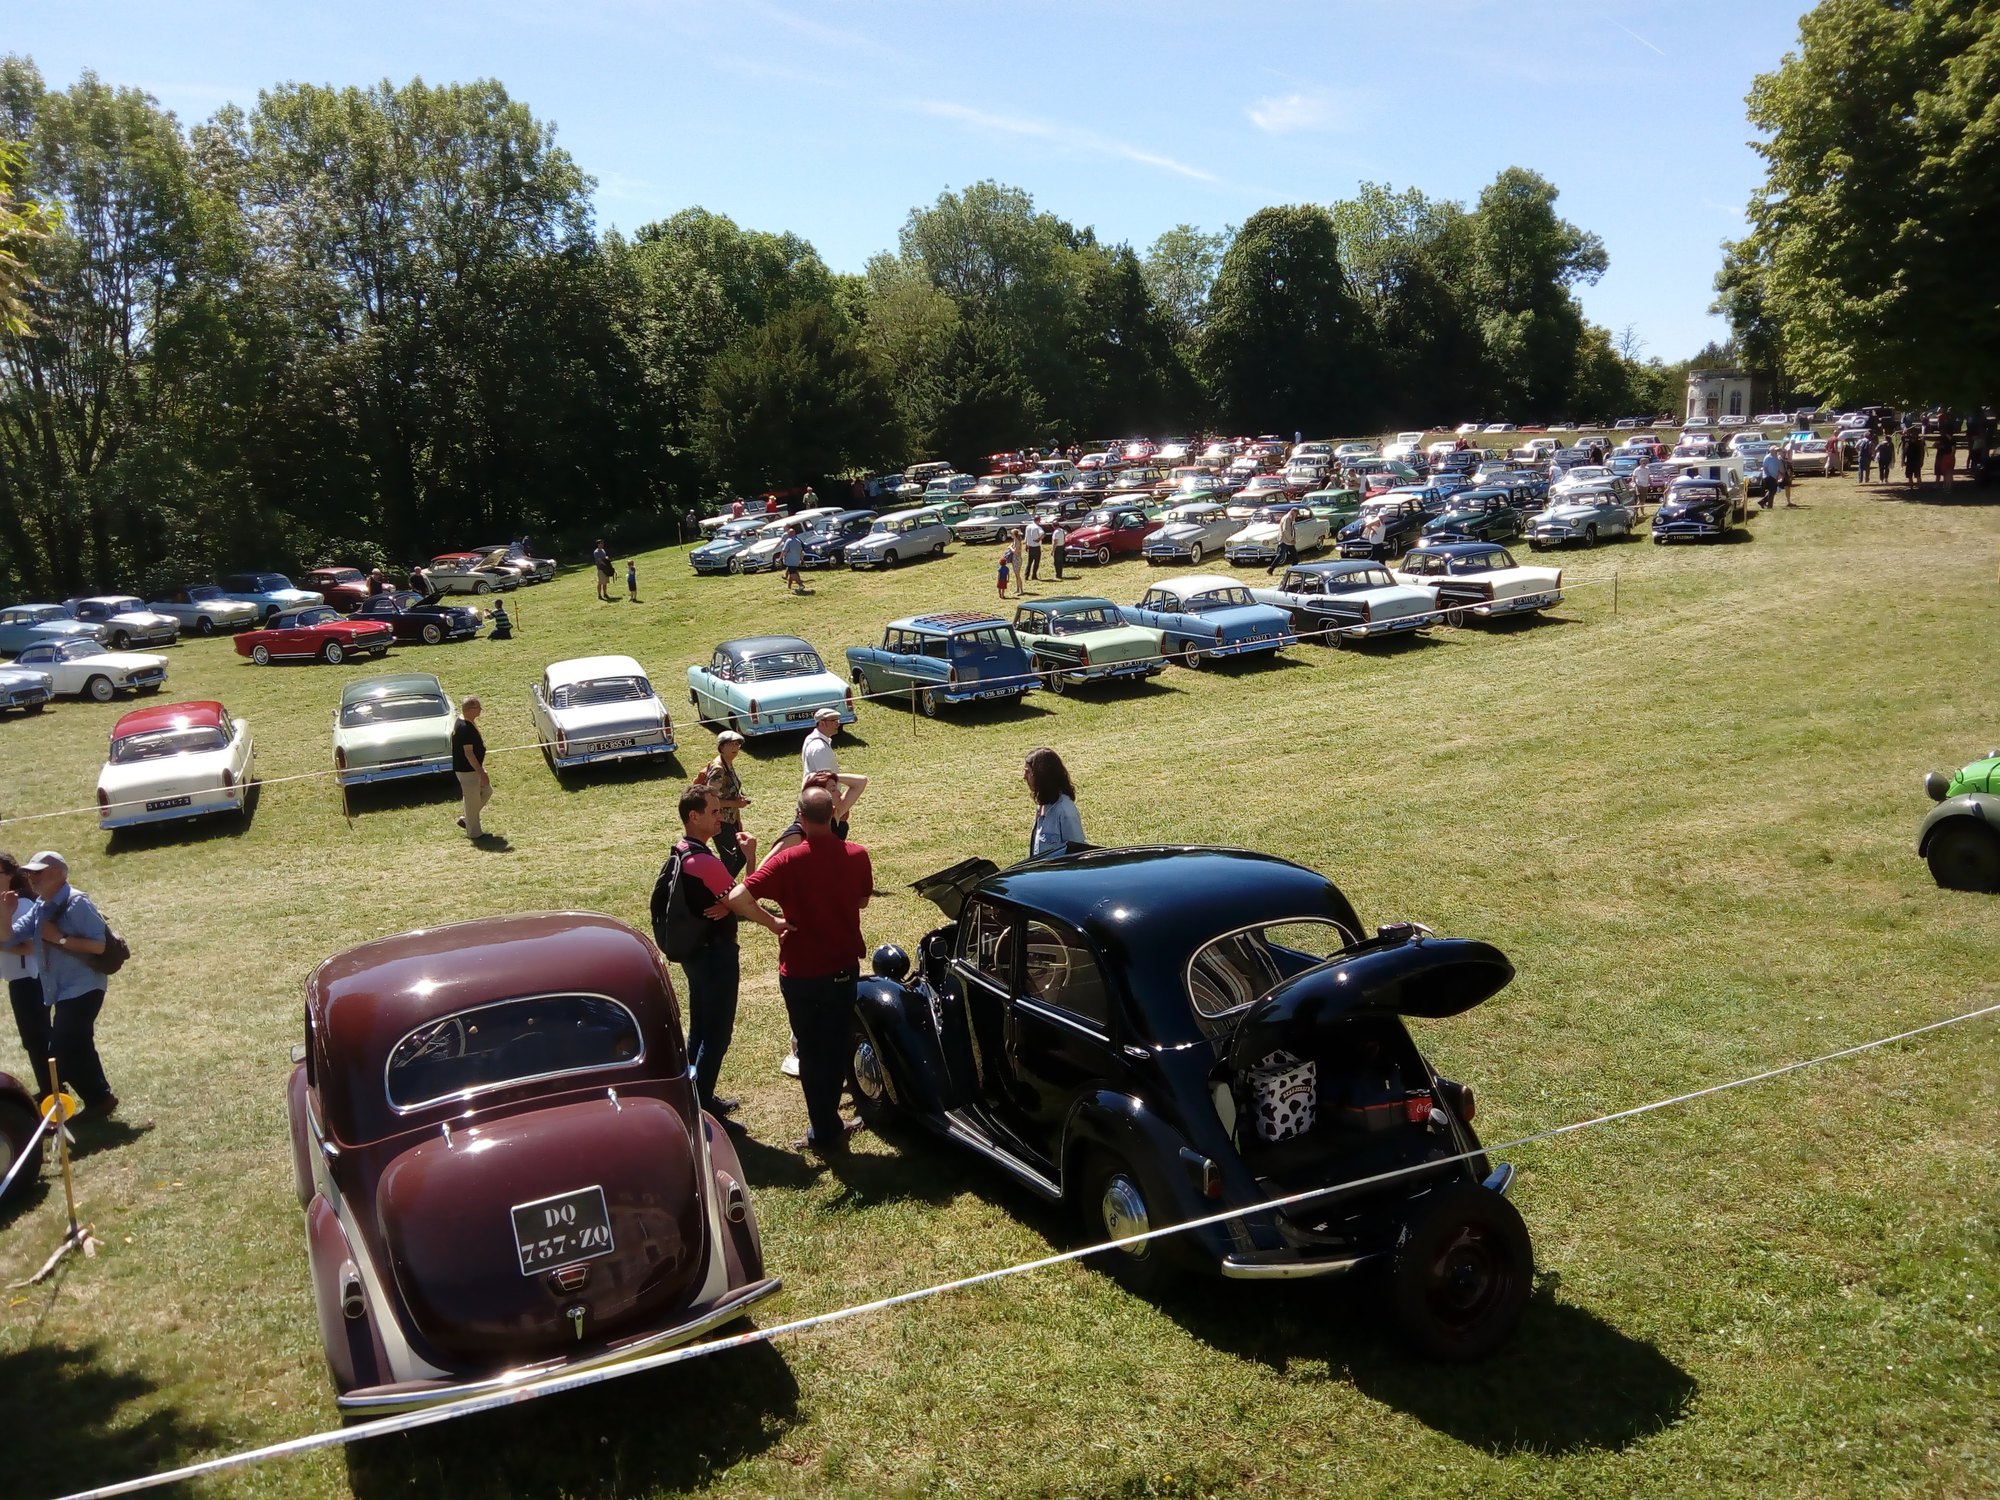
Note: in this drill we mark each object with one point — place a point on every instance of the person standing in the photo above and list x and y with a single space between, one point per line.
1057 822
1774 468
816 752
601 560
1913 454
22 969
420 579
68 932
1947 458
1864 456
736 509
1000 574
1785 475
1885 455
1288 540
821 885
1032 535
792 552
720 777
468 763
809 500
632 579
691 917
1058 540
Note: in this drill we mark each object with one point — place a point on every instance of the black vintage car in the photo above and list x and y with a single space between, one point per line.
1157 1035
1697 509
827 548
420 619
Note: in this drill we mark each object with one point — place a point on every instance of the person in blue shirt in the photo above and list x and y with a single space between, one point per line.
1057 822
66 929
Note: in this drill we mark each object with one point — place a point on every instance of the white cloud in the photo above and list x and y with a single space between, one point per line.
1284 113
1070 137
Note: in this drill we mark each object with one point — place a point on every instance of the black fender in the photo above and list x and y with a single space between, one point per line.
897 1021
1981 807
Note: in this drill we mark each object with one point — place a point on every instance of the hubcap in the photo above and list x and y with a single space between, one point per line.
1124 1210
868 1070
1465 1279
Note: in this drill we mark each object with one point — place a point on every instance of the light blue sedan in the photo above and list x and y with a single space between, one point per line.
26 625
766 684
1204 616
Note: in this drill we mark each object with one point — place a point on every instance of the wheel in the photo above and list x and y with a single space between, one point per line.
1190 655
332 654
1055 683
481 586
865 1080
928 704
1462 1272
736 565
1965 856
937 550
203 625
1457 616
433 633
1104 557
1590 536
733 723
120 641
17 1124
1194 554
1114 1207
261 655
888 559
100 689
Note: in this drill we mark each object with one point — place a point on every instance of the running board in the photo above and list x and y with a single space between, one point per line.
961 1128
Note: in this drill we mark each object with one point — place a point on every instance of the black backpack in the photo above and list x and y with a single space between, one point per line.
680 931
116 949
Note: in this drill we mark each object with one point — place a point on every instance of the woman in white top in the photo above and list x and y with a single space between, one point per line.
1057 822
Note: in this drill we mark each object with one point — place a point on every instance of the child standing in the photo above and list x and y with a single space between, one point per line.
1006 562
632 579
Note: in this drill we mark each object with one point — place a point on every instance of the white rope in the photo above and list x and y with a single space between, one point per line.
28 1151
557 1384
1433 617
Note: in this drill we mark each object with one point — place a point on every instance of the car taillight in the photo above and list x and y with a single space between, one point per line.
103 800
228 779
753 708
951 676
1367 610
562 743
339 759
667 722
850 700
1218 635
1083 656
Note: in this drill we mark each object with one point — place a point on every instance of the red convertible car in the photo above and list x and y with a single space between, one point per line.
503 1166
317 631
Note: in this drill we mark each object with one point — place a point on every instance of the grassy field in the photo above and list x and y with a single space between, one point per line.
1689 821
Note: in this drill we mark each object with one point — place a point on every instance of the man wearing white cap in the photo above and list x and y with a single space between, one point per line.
817 752
68 932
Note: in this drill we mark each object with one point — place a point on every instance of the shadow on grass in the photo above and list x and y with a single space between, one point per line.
92 1424
674 1429
653 768
403 795
1522 624
103 1135
193 832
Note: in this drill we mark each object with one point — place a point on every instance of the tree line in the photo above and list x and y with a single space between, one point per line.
365 324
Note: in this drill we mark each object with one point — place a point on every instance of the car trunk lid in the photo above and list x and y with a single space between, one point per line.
949 888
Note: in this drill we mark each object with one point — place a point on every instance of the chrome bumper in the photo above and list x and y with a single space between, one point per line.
392 771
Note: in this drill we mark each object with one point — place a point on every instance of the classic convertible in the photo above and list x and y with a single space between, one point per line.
176 761
599 708
504 1169
1353 598
766 684
1081 640
1960 837
421 619
205 609
318 632
1205 617
391 728
1158 1035
1479 579
957 656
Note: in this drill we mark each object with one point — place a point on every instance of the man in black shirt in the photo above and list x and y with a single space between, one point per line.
468 761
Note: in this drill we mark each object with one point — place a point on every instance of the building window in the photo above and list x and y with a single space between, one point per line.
1736 402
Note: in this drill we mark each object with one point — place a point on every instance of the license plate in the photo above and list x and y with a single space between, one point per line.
163 803
559 1231
620 744
998 693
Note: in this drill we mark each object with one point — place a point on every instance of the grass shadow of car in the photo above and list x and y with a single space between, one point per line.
608 1440
94 1423
1567 1382
575 779
402 795
190 832
1521 624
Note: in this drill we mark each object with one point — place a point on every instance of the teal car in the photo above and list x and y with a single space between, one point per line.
766 684
956 656
1074 641
1960 837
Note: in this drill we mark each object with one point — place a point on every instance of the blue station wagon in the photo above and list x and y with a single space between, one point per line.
955 657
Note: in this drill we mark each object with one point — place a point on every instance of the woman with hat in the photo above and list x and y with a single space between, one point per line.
720 777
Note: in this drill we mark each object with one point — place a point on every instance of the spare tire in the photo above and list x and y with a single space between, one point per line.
1462 1272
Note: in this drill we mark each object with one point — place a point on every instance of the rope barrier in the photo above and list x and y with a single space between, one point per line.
550 1385
1431 617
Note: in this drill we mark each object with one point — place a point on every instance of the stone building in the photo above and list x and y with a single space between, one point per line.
1715 394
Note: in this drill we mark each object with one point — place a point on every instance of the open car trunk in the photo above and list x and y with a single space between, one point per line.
949 887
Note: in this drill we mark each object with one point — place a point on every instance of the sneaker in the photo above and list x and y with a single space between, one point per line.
721 1106
461 822
790 1066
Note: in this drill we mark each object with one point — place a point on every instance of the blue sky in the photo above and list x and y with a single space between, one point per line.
834 119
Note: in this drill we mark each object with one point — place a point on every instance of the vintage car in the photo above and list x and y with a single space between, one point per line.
205 609
1205 617
421 619
471 573
1403 445
25 689
1585 513
391 728
1271 489
1109 532
762 553
958 656
766 684
25 625
317 633
1257 542
900 536
1158 1035
82 667
1814 455
731 537
1694 510
591 709
126 620
343 588
1481 515
532 569
828 548
1336 507
1960 837
1479 580
994 486
1074 641
992 521
1354 598
270 592
1188 532
504 1169
1063 510
1386 525
175 761
20 1119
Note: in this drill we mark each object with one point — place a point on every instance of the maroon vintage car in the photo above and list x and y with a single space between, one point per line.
502 1163
344 588
18 1119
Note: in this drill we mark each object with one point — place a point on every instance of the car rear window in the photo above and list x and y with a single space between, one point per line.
1231 971
603 690
513 1041
164 742
393 710
994 638
778 664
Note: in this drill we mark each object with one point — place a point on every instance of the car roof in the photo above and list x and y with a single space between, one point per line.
1074 601
748 646
200 714
590 668
1455 549
391 685
1333 567
953 619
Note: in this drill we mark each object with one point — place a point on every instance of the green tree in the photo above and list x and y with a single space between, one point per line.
1180 268
1524 261
24 224
1872 235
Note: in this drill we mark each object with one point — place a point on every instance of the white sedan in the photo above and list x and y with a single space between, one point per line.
127 620
177 760
1815 456
599 708
90 669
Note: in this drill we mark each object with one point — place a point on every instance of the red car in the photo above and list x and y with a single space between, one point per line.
317 631
1008 463
1112 531
343 588
503 1166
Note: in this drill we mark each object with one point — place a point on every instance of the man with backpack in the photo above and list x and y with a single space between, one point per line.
695 928
77 953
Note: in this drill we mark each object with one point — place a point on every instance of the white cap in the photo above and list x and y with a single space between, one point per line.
46 858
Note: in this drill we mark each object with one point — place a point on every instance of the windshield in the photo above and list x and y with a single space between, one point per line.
393 710
1079 621
1229 598
510 1042
160 743
1239 968
775 664
76 650
205 591
603 690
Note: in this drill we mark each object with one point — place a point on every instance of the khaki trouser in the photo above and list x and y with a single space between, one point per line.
475 791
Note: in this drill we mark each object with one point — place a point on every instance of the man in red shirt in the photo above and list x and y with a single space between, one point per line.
821 885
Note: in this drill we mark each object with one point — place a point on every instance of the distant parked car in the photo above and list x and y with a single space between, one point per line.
126 620
471 573
317 633
1960 837
594 709
1586 513
25 690
1481 515
992 521
955 656
1386 526
1479 580
270 592
1189 532
86 668
420 619
204 609
391 728
343 588
175 761
828 548
533 569
1816 456
900 536
1205 617
1110 532
1080 640
1694 510
717 553
1354 598
1258 542
766 684
25 625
